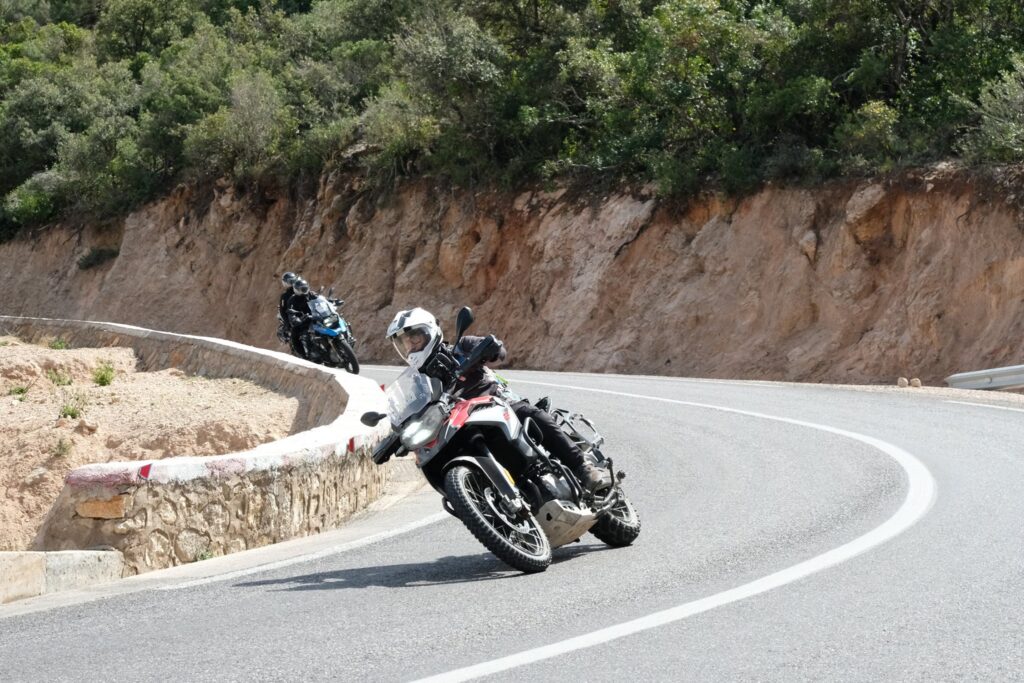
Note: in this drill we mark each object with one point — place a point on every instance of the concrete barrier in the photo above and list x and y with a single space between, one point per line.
28 574
176 510
22 575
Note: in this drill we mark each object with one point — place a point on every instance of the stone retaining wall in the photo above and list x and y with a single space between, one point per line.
166 512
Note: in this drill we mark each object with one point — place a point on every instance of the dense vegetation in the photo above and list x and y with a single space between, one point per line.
105 103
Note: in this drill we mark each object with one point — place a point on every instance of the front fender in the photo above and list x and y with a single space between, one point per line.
492 469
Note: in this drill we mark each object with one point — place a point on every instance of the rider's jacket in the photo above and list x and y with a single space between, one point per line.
290 301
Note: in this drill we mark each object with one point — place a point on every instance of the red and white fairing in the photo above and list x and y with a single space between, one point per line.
482 411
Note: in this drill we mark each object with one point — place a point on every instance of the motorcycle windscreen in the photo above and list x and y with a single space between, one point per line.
408 395
321 307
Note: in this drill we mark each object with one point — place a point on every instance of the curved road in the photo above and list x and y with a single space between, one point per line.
888 522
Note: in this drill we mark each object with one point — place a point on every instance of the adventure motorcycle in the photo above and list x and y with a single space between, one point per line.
519 515
327 339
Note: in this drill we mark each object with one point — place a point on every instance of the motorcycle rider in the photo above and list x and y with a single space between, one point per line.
418 339
295 310
283 317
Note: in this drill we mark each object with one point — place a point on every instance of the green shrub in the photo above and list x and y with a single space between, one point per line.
127 28
103 374
18 392
73 405
58 344
58 378
70 410
34 201
998 135
62 448
397 124
97 256
868 138
245 139
322 143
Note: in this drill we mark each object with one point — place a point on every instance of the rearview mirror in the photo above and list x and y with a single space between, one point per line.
371 419
462 322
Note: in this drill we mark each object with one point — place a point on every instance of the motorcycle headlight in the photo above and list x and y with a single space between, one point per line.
422 429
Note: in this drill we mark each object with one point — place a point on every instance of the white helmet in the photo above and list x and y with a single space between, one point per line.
415 335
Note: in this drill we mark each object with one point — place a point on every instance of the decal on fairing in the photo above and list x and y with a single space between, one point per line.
497 416
463 408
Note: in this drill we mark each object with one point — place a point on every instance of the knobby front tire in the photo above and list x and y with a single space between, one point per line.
522 545
347 355
620 526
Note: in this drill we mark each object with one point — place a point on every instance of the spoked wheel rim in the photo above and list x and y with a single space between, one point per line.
622 509
521 533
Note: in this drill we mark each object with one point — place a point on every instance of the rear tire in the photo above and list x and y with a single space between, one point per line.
522 545
347 356
621 526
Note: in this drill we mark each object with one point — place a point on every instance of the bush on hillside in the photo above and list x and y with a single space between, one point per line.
104 105
998 135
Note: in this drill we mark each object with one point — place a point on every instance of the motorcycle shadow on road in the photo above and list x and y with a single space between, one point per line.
452 569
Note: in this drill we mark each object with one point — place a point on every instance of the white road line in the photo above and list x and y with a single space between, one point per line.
986 405
617 376
344 547
920 496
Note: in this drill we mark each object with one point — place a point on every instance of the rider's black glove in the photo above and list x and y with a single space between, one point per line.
497 353
442 365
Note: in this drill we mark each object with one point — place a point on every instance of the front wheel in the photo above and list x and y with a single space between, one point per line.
517 541
346 355
620 526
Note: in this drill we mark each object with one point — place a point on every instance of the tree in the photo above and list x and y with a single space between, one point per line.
127 28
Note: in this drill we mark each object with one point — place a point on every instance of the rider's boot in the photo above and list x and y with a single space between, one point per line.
593 478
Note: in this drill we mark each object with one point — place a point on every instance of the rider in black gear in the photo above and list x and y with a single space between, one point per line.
481 380
283 317
295 310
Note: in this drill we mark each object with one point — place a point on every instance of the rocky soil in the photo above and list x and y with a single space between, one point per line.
861 281
54 416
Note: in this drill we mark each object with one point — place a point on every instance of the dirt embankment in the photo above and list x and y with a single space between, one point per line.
857 281
62 408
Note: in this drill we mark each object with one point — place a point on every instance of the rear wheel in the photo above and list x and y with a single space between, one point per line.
517 541
620 526
346 355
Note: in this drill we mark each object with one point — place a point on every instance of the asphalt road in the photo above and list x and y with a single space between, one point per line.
878 572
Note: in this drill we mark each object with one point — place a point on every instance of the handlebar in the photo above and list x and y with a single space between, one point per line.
482 351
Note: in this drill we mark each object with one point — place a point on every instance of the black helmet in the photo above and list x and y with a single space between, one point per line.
289 278
300 286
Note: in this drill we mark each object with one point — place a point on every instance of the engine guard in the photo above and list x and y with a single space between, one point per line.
564 522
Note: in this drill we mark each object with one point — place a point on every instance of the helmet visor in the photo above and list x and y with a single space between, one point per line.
410 340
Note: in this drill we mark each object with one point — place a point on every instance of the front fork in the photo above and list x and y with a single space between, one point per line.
510 497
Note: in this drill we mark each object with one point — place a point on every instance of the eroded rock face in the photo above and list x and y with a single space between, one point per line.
854 282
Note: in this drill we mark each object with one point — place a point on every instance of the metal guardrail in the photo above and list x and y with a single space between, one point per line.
1010 377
